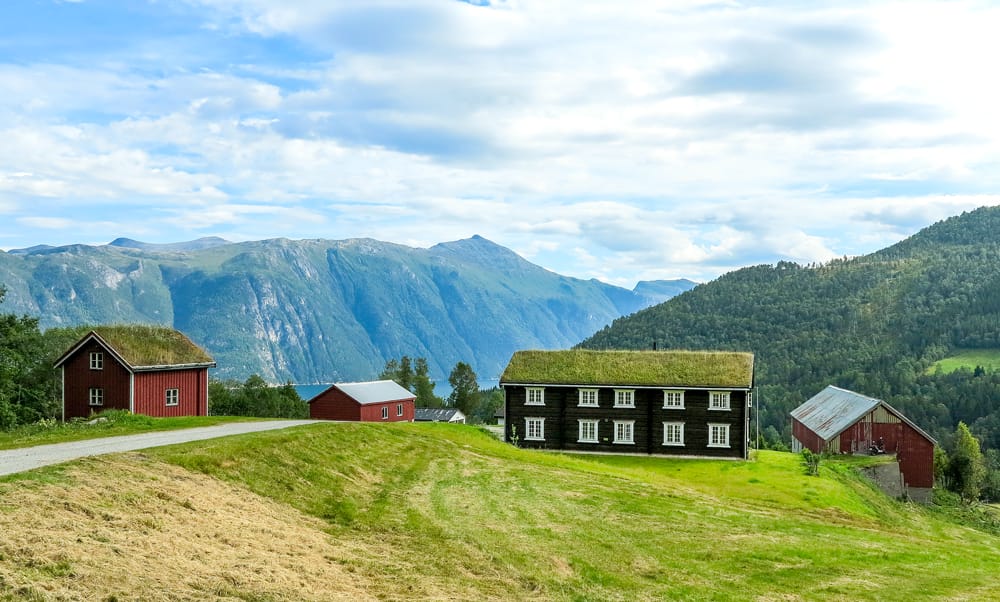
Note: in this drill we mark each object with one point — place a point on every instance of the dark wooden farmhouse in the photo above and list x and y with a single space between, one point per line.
679 403
149 370
375 401
452 415
839 421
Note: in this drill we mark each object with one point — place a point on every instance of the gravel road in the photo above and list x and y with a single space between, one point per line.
28 458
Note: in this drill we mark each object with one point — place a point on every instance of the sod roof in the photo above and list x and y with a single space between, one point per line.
634 368
149 346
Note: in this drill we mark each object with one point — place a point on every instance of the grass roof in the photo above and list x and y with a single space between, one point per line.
142 345
638 368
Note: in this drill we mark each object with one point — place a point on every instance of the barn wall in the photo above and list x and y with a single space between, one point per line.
334 404
807 438
79 379
914 452
373 412
192 388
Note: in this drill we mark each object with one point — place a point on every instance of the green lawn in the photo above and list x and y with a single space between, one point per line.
116 423
450 506
968 359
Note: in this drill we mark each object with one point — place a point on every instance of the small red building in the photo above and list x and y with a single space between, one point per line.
376 401
149 370
839 421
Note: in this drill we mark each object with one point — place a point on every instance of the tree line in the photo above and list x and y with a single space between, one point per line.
478 405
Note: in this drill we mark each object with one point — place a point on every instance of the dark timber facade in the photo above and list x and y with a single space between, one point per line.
679 403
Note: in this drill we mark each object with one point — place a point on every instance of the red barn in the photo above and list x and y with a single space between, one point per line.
376 401
840 421
148 370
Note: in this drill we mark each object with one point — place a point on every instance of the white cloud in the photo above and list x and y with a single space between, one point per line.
661 138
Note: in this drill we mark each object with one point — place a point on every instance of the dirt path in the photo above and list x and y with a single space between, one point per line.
28 458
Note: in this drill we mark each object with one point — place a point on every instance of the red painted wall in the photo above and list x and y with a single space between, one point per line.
806 437
334 404
192 389
78 379
373 412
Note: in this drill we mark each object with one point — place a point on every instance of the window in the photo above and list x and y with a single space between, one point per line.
588 397
673 400
385 412
536 396
624 398
718 400
534 429
97 397
588 431
623 431
97 360
399 409
673 433
173 397
718 435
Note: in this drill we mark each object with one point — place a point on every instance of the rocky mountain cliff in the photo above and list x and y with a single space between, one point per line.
322 310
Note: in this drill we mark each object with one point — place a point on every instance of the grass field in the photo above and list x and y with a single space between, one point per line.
969 359
115 423
428 511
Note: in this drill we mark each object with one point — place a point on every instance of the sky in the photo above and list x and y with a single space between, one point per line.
620 141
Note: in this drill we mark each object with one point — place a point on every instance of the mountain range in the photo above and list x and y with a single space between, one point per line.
323 310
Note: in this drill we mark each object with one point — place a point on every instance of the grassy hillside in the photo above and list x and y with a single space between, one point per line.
421 511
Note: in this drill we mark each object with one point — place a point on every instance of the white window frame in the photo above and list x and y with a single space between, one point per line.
719 400
529 435
587 398
175 394
538 393
590 422
96 360
669 404
95 396
399 409
385 412
713 428
629 427
628 395
679 441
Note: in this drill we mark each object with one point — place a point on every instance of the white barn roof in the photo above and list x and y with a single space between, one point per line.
832 410
377 391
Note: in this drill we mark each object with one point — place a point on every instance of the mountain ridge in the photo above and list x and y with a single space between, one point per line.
320 310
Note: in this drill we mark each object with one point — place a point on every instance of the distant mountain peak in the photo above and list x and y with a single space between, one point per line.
205 242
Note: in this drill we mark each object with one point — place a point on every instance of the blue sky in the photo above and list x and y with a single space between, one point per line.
631 141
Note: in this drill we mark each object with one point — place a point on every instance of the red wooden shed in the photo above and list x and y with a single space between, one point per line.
375 401
840 421
149 370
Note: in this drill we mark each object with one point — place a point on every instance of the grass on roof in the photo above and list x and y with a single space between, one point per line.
143 345
652 368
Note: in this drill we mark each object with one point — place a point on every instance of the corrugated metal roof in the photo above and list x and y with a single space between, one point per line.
438 415
376 391
832 410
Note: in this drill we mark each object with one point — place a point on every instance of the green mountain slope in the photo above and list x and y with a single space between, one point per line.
874 324
425 511
320 310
